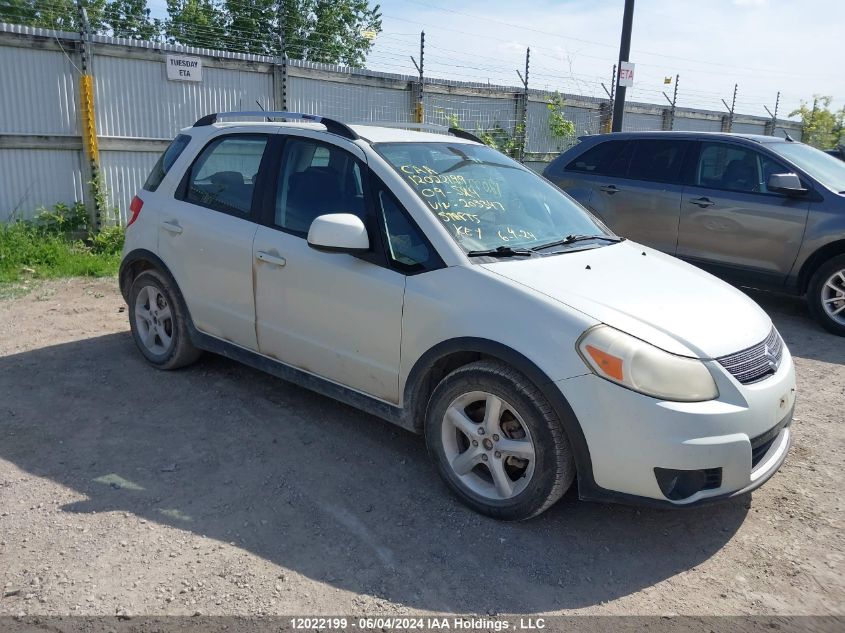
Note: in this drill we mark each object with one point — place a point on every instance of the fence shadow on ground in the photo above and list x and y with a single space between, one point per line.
319 488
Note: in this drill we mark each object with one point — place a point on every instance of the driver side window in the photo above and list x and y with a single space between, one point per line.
730 168
316 178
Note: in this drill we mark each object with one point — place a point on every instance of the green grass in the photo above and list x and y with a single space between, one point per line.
57 244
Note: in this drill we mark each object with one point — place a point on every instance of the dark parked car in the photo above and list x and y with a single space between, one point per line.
758 211
838 152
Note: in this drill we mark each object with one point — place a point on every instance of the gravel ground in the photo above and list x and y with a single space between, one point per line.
220 490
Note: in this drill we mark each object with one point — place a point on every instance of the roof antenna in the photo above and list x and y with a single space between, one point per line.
263 110
786 135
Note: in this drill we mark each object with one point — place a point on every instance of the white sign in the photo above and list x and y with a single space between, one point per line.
184 68
626 74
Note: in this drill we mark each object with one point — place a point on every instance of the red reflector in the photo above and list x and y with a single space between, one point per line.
135 208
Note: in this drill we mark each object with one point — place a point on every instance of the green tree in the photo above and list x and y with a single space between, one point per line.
121 18
196 23
823 127
560 127
51 14
131 18
329 31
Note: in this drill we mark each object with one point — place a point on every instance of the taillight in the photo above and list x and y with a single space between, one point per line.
135 208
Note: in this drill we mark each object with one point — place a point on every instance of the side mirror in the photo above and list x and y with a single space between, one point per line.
788 184
338 233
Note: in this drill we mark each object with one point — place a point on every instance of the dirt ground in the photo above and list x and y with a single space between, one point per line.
220 490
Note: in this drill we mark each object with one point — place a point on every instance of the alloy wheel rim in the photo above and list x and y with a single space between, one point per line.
488 446
154 320
833 297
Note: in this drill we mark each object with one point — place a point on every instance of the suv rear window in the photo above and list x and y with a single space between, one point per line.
657 160
165 161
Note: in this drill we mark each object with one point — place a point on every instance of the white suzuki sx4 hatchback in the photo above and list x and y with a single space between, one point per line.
432 281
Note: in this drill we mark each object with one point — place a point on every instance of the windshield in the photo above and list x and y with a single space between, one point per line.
827 169
485 199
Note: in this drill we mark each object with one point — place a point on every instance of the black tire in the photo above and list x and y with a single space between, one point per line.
815 294
180 351
554 465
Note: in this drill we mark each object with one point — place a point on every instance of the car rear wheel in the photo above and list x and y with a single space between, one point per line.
826 295
158 322
497 442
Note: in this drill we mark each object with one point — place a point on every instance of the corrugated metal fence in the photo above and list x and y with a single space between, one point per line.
138 110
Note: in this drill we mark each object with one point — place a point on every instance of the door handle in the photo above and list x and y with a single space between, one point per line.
702 202
610 189
171 227
275 260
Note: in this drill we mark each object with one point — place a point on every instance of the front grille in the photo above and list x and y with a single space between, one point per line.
757 362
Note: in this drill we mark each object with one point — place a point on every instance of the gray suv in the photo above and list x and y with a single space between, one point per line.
758 211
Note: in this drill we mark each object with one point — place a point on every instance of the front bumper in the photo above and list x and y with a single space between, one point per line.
629 435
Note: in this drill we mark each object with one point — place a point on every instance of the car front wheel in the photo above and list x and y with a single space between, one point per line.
826 295
497 442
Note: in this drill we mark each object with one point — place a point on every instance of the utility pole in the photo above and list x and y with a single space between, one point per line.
624 54
419 107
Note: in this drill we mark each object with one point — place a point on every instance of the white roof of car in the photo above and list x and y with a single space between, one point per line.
371 133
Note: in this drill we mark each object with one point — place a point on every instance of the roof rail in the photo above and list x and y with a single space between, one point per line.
333 126
454 131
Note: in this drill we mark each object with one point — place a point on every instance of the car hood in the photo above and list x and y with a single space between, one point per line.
647 294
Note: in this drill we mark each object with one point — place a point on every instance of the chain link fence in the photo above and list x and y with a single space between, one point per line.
57 137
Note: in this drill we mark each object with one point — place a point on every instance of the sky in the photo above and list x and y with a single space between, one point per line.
764 46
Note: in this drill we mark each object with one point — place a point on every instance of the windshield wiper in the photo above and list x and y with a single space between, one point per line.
501 251
571 239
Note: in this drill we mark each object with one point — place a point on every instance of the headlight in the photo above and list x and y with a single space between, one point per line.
635 364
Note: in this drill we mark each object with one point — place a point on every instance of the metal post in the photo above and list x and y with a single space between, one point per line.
419 105
728 122
606 109
280 68
522 124
771 126
669 122
624 53
674 101
90 146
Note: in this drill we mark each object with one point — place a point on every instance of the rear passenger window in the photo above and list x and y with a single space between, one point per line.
223 177
316 178
165 161
657 160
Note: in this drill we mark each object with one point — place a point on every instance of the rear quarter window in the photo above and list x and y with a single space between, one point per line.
609 157
165 161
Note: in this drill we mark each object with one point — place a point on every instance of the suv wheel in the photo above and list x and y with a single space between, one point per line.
158 323
826 295
497 442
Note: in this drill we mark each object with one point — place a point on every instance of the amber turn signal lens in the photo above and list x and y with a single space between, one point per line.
609 364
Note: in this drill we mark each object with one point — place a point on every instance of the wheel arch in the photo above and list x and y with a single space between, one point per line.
448 355
817 260
134 263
